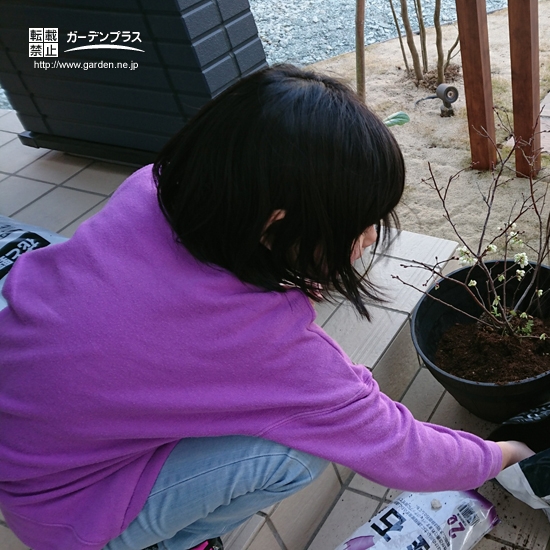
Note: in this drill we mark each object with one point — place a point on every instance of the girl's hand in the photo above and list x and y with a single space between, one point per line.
514 451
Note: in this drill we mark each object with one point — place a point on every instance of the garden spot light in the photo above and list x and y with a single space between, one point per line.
448 94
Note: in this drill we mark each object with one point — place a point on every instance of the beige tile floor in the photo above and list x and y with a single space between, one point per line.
58 192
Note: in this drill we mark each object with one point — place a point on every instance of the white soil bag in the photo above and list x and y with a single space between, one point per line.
529 481
455 520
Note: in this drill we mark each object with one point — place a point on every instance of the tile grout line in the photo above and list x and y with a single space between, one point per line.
57 186
97 193
15 134
337 474
54 187
381 506
390 344
409 385
507 542
23 167
437 406
64 182
381 502
274 532
41 158
344 487
321 524
65 226
372 497
92 162
9 140
83 214
329 317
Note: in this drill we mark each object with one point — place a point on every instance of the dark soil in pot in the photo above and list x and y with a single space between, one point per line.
477 353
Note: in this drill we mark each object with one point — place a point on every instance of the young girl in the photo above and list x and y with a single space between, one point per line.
161 374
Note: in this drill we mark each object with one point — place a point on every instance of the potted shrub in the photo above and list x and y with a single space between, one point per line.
484 330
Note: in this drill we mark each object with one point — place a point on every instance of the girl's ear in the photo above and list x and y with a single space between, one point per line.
275 215
278 214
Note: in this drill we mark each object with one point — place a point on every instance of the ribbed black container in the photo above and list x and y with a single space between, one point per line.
192 50
493 402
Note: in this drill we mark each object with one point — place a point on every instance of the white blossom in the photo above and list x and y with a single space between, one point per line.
491 248
539 292
515 239
465 256
521 259
472 283
520 273
507 225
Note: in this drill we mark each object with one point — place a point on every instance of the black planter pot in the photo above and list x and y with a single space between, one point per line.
431 319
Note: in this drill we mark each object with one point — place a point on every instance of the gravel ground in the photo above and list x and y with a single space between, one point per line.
307 31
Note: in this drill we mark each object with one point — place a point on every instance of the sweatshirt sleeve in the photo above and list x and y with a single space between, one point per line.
362 428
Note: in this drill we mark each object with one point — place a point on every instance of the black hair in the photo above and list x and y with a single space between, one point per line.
284 139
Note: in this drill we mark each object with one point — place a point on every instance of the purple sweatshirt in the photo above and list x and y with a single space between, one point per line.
117 343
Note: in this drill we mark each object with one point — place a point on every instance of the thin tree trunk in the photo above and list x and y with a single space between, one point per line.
422 31
439 43
449 53
360 47
410 40
400 37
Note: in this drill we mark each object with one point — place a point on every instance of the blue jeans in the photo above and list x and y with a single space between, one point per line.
209 486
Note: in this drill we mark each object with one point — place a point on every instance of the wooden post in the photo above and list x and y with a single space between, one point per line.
524 55
476 68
